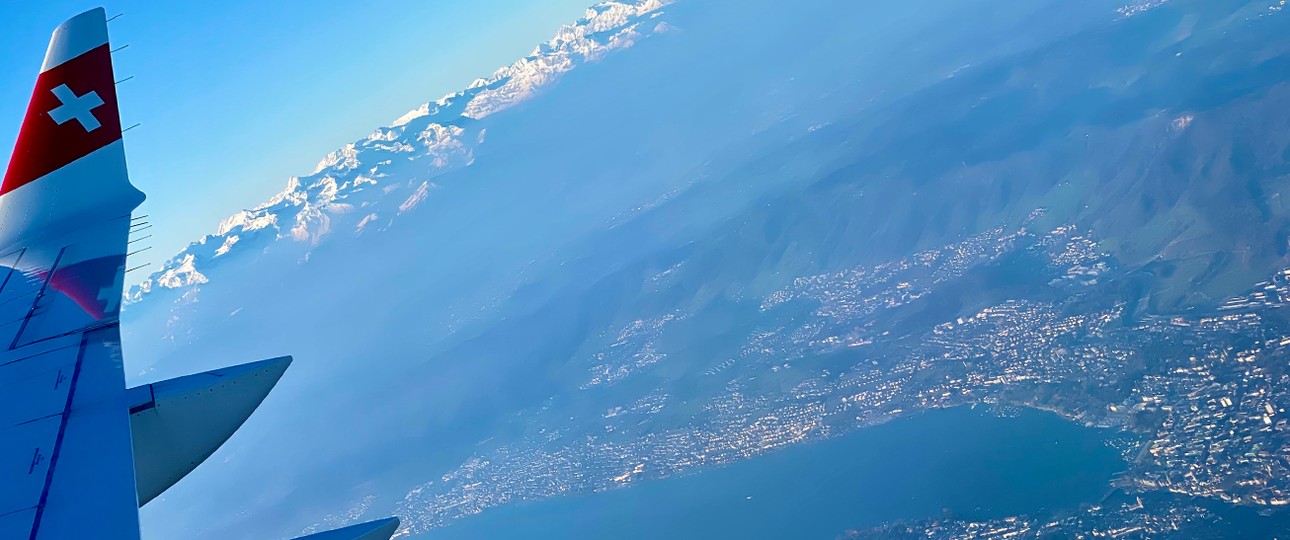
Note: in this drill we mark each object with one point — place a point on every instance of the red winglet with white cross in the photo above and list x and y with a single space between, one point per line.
73 112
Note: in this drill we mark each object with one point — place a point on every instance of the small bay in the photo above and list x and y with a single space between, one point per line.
963 461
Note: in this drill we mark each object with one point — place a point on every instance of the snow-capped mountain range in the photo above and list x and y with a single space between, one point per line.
367 184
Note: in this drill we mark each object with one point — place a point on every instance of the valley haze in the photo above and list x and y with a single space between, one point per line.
687 244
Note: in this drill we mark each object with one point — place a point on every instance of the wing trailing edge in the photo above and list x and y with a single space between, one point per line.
381 529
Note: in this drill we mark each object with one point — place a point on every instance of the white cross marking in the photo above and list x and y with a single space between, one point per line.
73 106
110 295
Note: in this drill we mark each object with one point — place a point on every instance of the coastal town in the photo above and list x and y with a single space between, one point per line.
1199 400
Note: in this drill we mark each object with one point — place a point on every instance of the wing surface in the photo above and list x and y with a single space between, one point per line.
66 466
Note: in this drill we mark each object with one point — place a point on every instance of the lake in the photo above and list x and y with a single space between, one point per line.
964 461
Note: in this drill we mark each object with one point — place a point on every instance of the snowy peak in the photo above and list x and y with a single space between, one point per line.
391 171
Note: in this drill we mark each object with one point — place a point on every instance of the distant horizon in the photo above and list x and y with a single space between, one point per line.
775 269
234 66
685 269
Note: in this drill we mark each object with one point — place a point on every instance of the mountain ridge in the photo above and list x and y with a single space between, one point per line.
368 183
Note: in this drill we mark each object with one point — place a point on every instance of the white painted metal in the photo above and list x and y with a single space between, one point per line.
87 193
76 36
34 388
17 524
78 452
381 529
178 423
43 379
24 462
65 470
56 314
94 456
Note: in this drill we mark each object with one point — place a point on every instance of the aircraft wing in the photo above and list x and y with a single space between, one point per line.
66 465
79 452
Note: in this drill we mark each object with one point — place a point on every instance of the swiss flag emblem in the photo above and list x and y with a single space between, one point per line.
73 112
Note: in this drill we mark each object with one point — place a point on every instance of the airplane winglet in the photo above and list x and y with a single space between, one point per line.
73 110
67 183
75 37
81 445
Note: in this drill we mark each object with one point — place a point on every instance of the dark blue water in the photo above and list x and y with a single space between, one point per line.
963 461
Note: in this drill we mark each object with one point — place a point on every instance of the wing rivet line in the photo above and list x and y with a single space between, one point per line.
36 459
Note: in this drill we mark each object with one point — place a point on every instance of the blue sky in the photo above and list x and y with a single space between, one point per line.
233 97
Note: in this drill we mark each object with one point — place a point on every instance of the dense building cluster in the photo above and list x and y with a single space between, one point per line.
1201 399
1115 521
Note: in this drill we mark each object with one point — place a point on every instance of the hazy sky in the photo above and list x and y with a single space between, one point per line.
235 96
